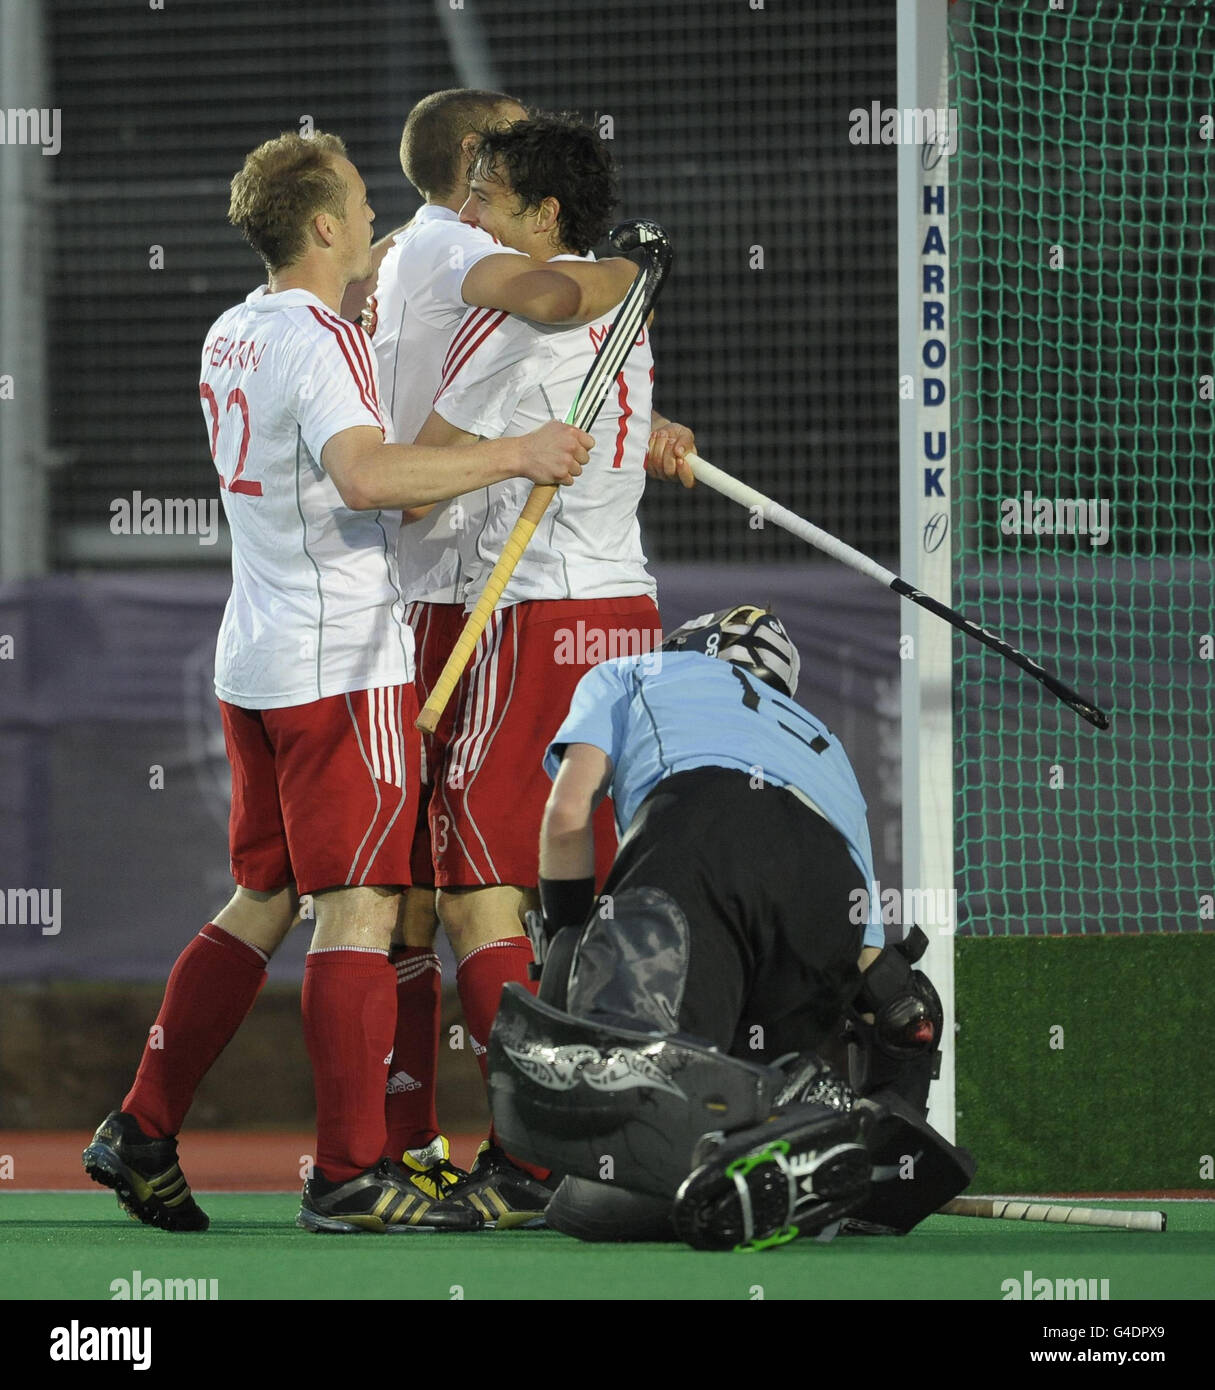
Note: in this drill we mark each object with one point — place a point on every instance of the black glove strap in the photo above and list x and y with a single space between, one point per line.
566 902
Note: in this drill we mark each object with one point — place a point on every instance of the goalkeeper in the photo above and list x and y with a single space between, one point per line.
726 940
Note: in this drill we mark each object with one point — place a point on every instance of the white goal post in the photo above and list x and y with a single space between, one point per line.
924 502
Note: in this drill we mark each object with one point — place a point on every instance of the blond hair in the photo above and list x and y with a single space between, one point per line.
283 185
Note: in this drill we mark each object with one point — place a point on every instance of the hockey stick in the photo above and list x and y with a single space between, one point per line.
653 250
1048 1211
772 511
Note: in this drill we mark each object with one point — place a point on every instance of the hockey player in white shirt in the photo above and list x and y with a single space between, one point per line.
430 273
581 592
314 675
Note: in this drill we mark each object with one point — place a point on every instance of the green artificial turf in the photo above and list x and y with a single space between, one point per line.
1079 1062
72 1246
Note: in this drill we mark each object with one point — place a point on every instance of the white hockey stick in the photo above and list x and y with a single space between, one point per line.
745 496
1008 1210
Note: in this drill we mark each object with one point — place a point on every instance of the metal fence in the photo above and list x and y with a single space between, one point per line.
775 338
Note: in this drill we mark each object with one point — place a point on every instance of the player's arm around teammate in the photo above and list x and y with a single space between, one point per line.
373 476
520 285
529 219
436 148
669 444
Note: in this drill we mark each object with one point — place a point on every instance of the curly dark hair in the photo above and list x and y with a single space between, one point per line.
555 156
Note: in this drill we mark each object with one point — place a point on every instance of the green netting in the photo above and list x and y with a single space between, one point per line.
1083 265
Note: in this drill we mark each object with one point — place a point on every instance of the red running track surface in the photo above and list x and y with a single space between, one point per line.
213 1160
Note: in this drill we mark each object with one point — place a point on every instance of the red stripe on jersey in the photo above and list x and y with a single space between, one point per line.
362 342
362 351
348 351
470 325
367 392
622 429
467 340
496 322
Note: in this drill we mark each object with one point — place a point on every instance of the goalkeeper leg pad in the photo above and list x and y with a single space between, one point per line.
631 966
610 1102
601 1211
634 965
915 1169
558 960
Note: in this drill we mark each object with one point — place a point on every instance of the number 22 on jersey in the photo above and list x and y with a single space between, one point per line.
236 397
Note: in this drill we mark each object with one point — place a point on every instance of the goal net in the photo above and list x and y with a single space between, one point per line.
1083 262
1060 490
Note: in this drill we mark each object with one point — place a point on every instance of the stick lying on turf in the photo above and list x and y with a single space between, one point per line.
1049 1211
772 511
653 254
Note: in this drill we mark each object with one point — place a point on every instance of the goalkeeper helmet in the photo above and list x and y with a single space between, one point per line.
751 637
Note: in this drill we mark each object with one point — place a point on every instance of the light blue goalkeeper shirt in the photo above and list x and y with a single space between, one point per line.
666 712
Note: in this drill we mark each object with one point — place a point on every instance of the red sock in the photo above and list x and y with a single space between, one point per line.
350 1012
409 1106
479 979
211 988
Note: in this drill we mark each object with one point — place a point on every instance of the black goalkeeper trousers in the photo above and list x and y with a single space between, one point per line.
759 955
